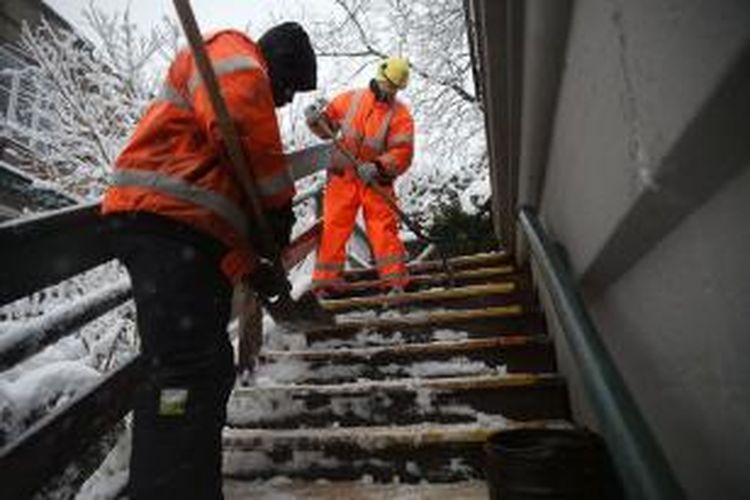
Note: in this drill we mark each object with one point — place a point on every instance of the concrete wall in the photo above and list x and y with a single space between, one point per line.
648 187
14 12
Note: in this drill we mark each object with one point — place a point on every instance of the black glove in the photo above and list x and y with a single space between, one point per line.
269 280
281 221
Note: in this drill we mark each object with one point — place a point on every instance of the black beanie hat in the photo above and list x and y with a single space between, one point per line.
290 56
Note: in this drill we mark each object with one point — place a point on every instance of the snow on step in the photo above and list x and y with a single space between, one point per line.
298 372
377 437
462 277
456 263
437 358
284 488
421 297
411 453
454 343
402 401
368 386
366 338
484 322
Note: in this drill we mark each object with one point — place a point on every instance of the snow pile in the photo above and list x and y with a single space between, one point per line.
447 334
47 380
112 476
42 301
453 367
35 393
264 405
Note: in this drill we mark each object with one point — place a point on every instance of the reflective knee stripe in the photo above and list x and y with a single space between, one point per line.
394 275
224 67
389 260
178 188
326 282
329 266
169 94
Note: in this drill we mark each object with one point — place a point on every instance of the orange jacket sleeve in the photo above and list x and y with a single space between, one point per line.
247 93
337 108
397 157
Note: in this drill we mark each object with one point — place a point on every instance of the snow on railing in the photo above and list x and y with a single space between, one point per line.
20 339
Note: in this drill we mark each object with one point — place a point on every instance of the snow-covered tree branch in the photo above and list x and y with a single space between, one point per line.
87 94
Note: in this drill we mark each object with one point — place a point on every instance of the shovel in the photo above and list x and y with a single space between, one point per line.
306 311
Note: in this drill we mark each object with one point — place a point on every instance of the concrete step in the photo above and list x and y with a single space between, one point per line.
362 489
438 279
399 402
464 297
411 453
421 326
515 354
489 259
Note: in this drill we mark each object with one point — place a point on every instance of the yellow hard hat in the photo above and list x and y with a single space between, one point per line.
394 70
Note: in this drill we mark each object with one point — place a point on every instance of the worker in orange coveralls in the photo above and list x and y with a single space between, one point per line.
182 226
378 130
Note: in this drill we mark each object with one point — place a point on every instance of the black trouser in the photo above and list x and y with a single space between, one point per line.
183 306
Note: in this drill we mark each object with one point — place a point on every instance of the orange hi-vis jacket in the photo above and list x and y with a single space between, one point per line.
174 165
381 132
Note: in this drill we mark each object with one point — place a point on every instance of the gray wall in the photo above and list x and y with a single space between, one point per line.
648 188
14 12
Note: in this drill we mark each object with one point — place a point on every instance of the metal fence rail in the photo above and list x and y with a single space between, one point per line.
41 251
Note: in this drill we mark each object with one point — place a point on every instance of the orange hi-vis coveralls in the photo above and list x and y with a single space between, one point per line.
373 131
174 164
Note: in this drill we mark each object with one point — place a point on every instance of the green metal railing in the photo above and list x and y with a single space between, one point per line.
641 464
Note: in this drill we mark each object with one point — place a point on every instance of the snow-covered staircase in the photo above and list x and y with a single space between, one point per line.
404 389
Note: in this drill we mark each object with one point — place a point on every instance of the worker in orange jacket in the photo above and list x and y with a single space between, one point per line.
378 130
181 225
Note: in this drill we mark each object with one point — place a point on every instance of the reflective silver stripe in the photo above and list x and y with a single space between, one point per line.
169 94
395 274
389 164
223 67
377 142
327 282
400 139
329 266
351 112
178 188
390 260
274 184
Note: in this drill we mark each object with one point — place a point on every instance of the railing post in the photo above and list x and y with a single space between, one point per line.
250 330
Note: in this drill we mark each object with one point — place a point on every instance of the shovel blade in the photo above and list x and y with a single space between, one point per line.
303 314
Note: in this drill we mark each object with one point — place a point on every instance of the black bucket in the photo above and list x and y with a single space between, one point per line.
560 464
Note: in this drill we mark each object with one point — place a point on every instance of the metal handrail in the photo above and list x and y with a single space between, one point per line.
643 467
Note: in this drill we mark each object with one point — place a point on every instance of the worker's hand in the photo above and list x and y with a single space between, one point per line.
368 172
314 112
269 280
282 221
